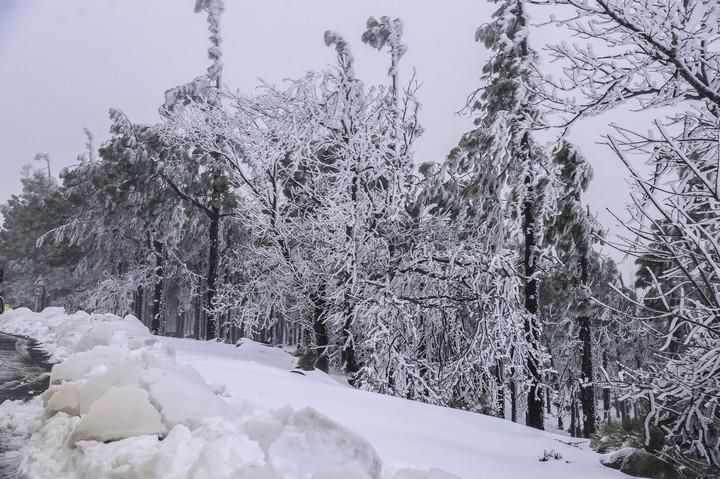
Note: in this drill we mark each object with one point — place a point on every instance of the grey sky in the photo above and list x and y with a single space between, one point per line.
64 64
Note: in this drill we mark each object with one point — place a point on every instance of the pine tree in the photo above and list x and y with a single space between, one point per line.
498 174
125 220
571 233
205 92
41 207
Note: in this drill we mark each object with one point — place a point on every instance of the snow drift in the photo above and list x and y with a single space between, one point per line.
119 405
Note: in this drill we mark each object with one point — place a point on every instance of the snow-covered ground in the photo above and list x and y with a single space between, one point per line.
125 404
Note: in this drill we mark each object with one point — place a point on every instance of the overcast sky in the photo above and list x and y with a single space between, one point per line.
63 64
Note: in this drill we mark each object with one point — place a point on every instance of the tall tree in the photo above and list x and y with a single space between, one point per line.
571 233
205 90
502 172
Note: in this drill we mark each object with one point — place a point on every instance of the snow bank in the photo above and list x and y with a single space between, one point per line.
118 414
183 397
82 364
120 406
63 398
119 375
18 420
62 334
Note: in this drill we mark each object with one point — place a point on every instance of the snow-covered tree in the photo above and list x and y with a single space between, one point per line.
571 234
26 217
315 161
125 220
663 54
497 174
195 175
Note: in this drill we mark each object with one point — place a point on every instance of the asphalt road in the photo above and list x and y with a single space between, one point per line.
23 373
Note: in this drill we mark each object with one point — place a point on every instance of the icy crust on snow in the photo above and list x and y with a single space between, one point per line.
120 406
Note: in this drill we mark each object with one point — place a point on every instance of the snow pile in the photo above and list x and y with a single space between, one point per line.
119 405
18 420
63 334
118 414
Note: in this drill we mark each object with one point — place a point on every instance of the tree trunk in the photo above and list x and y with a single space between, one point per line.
500 381
159 286
138 304
560 423
624 411
548 401
213 258
535 409
513 390
198 318
347 345
501 401
321 338
513 402
578 426
320 328
606 393
607 415
573 416
422 355
347 339
587 381
180 325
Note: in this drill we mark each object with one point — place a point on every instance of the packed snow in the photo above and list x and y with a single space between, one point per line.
124 403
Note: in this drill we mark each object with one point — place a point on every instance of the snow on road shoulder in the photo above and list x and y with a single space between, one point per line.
119 405
404 433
